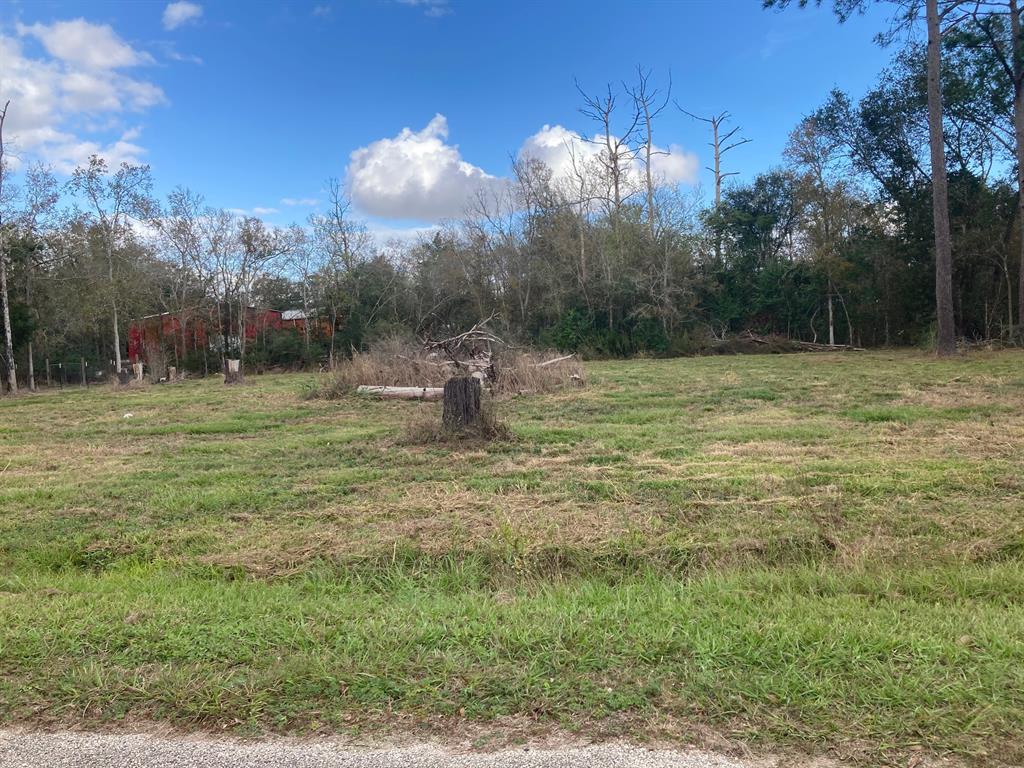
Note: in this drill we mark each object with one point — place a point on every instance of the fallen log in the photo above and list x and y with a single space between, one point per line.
811 346
556 360
401 393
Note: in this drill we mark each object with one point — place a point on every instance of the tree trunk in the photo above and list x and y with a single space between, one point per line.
831 322
12 373
940 190
1018 126
334 335
31 370
113 299
461 403
233 373
117 341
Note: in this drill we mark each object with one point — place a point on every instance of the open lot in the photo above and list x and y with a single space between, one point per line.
813 551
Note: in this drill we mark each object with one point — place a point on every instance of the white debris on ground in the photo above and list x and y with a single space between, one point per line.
26 749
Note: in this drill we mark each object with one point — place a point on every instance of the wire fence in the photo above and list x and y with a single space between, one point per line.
73 373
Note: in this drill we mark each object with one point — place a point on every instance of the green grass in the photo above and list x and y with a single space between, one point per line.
811 551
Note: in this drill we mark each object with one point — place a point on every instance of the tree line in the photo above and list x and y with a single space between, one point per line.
846 241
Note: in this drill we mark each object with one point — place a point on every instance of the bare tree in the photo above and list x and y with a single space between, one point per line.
112 200
304 261
722 141
342 245
615 160
259 248
649 106
180 228
618 150
214 266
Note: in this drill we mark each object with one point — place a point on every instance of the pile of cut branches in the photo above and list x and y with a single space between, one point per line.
418 371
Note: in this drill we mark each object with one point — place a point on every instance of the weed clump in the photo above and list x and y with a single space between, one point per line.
426 428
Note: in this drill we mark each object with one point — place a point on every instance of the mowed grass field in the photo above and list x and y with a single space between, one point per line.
821 552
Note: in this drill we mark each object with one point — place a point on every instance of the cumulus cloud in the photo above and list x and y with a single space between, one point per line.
86 45
305 202
419 175
416 175
559 148
58 100
180 13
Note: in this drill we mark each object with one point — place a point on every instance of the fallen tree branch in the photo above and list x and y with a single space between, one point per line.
556 360
811 346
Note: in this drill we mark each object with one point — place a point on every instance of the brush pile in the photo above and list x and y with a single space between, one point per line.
407 370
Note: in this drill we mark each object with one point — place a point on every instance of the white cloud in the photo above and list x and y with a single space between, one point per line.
180 13
416 175
305 202
384 234
321 11
433 8
61 101
80 43
169 51
558 148
256 211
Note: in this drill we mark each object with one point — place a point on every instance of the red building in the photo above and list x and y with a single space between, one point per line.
164 331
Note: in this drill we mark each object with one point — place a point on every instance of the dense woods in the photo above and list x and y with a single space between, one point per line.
836 244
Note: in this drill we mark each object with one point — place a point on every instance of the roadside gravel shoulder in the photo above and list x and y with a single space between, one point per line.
76 749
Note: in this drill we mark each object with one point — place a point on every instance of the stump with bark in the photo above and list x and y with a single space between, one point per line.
461 403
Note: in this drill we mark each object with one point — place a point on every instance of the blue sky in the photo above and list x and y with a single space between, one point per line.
255 104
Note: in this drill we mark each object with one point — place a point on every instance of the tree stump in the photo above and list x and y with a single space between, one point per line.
233 375
461 403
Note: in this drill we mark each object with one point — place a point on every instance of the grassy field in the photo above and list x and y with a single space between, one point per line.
822 552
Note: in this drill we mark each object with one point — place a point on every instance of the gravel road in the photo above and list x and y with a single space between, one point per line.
24 749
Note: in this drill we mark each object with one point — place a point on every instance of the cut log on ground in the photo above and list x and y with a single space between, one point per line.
401 393
461 403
